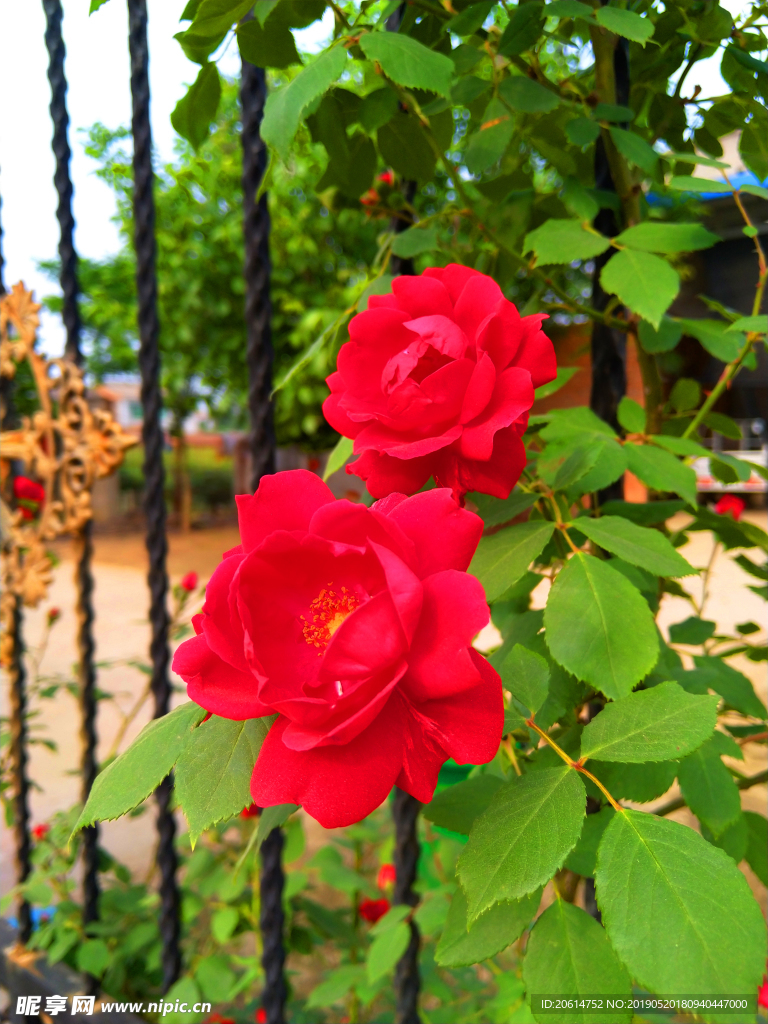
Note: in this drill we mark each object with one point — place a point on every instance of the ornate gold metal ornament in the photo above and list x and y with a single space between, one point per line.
65 446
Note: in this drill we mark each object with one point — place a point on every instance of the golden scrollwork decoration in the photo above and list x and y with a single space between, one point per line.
48 465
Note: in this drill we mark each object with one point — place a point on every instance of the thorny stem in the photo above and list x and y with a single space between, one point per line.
576 765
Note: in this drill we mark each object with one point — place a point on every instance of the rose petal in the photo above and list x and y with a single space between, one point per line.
336 785
453 613
384 474
284 501
404 588
512 398
223 630
479 297
479 390
422 296
496 476
444 535
216 686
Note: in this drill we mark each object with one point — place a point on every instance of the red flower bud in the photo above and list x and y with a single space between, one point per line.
189 582
54 614
252 811
387 177
41 831
386 876
261 1016
373 910
730 504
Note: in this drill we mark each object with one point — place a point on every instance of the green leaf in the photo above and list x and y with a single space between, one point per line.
194 112
495 511
645 283
613 112
581 131
569 9
687 183
693 631
638 782
526 674
223 924
631 415
341 454
404 147
715 338
213 16
268 46
95 5
709 789
391 919
638 545
414 242
524 836
408 62
757 844
471 19
583 856
755 190
487 145
527 96
658 724
286 105
186 991
335 987
625 23
685 395
638 152
93 957
213 773
734 687
662 339
130 779
661 471
748 324
678 911
456 807
653 236
680 445
377 108
493 931
733 840
724 425
602 651
644 514
501 559
610 464
568 955
562 241
386 949
564 374
523 29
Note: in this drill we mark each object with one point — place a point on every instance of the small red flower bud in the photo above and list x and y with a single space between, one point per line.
387 177
189 582
41 831
54 614
386 876
29 490
729 504
373 910
261 1016
252 811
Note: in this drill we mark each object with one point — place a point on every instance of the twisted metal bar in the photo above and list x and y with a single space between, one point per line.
272 923
68 279
54 42
18 730
407 980
154 475
258 303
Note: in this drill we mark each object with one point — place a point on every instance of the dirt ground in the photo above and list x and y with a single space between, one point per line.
122 637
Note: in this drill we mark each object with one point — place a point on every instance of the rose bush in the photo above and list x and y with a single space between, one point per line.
354 626
437 379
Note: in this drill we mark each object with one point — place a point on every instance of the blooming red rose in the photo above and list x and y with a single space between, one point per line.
189 582
30 494
729 504
386 876
355 626
437 379
373 910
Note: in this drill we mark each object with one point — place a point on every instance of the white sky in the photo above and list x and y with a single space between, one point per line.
97 69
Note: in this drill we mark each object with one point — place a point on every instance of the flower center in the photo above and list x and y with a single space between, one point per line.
329 609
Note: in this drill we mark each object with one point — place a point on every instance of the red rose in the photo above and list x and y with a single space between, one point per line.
373 910
437 379
386 876
355 625
30 494
729 504
189 582
41 831
261 1016
251 811
762 993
